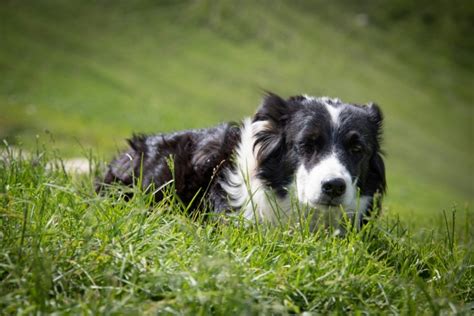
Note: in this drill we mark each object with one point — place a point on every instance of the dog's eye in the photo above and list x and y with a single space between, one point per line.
356 149
309 145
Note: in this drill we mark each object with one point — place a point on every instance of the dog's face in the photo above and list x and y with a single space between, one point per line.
330 150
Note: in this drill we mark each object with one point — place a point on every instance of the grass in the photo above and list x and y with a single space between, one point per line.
67 250
82 76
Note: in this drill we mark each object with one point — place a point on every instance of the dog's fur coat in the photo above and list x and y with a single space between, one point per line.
316 153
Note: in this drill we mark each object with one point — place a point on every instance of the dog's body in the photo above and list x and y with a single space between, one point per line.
314 153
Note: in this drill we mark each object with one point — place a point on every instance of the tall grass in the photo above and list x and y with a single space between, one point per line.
65 249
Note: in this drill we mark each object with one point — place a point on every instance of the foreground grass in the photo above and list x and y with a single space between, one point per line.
65 249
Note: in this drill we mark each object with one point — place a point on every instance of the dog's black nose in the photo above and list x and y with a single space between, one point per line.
334 187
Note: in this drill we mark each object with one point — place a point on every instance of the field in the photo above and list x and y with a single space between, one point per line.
76 79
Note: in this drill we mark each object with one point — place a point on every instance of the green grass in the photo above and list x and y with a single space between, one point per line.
82 76
67 250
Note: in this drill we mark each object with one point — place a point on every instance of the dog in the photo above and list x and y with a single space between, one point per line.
303 154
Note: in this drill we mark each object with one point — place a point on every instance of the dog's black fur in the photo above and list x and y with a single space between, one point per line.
197 157
295 132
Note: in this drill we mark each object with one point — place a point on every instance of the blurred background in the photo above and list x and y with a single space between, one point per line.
84 75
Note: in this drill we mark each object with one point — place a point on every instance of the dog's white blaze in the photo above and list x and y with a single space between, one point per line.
245 190
330 104
333 112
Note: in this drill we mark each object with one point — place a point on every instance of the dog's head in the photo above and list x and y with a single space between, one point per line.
329 150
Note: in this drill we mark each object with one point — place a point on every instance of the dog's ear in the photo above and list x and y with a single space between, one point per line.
273 109
268 126
375 116
376 176
375 186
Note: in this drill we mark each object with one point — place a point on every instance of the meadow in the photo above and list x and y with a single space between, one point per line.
77 78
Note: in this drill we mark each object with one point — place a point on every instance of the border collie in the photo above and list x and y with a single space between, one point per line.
302 155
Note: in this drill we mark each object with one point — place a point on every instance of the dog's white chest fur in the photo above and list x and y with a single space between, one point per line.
244 189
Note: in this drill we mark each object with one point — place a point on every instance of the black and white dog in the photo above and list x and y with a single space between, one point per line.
316 153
